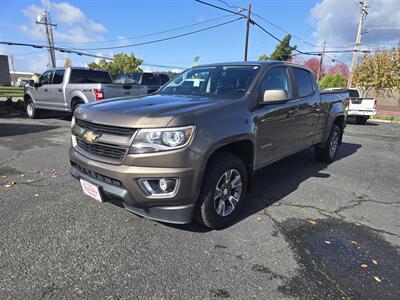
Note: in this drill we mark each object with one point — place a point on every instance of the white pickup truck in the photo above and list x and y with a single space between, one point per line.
65 89
360 109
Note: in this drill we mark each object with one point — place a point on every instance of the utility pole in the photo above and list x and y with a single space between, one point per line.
13 68
363 16
247 31
321 62
44 19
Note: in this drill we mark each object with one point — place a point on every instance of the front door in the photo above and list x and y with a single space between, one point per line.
279 125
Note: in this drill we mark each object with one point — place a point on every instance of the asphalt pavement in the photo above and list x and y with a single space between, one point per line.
309 231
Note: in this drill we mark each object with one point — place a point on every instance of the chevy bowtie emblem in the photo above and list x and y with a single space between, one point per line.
90 137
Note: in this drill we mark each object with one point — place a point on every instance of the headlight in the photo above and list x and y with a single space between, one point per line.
72 121
161 139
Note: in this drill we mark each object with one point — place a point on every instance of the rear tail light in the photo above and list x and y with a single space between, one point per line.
99 94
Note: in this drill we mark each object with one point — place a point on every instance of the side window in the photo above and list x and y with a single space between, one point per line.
45 78
58 76
304 82
277 79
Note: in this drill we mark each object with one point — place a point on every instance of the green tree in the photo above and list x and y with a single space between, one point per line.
122 63
379 71
283 51
332 81
263 57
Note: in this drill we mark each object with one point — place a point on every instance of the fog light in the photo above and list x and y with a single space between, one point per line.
167 185
159 188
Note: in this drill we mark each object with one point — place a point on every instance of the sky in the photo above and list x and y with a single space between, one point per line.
88 24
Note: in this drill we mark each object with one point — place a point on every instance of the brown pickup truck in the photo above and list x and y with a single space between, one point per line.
189 151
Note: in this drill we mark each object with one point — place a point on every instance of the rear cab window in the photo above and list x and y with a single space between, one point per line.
304 82
354 93
89 76
154 79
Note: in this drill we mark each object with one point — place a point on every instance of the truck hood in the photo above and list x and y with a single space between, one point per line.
144 112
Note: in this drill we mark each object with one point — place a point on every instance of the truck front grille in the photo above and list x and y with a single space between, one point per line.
114 130
105 150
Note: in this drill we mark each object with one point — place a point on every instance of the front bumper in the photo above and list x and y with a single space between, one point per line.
118 185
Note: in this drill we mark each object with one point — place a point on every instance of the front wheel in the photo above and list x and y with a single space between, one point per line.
31 110
328 152
223 192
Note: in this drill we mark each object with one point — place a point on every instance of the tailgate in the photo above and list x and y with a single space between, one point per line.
367 104
114 90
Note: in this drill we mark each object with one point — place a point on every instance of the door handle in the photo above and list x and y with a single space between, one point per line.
293 111
45 90
60 90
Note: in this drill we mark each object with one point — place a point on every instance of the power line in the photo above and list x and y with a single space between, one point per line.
81 53
221 8
251 21
232 6
151 34
284 30
163 39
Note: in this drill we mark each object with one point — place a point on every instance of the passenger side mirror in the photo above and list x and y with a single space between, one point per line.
37 84
272 96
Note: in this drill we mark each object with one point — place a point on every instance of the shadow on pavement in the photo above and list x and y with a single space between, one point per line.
280 179
20 129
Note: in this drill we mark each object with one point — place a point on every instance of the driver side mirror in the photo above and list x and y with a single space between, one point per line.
273 96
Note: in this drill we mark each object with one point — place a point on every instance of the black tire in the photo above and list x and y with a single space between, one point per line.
206 211
326 153
75 104
31 110
361 120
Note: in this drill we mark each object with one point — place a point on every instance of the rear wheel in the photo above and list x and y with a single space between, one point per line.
361 120
223 192
31 110
76 103
328 152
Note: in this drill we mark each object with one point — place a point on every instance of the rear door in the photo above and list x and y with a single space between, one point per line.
42 97
56 91
307 111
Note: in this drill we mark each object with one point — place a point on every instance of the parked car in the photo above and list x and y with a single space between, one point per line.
153 81
65 89
360 109
190 150
21 82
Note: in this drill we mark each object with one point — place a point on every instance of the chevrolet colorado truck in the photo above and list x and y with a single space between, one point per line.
65 89
189 151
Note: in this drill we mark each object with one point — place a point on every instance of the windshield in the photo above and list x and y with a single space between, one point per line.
215 81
